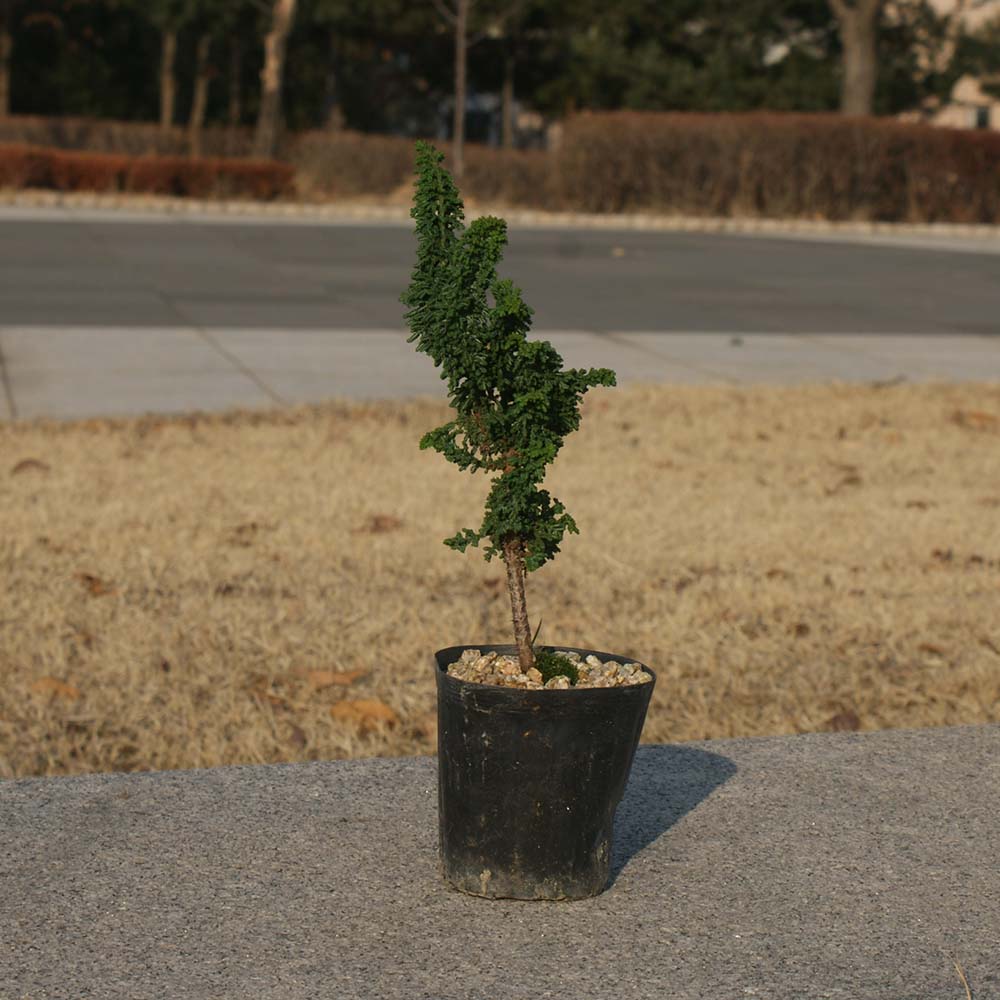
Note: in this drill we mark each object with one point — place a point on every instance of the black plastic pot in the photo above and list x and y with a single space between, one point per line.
528 781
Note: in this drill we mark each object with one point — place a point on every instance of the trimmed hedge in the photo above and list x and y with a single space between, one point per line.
509 177
787 165
27 166
757 164
105 135
352 164
347 164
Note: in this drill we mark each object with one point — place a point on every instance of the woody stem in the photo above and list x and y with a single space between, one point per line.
513 557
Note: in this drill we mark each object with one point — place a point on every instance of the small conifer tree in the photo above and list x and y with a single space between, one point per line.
514 403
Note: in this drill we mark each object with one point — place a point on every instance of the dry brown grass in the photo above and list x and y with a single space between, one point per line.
787 560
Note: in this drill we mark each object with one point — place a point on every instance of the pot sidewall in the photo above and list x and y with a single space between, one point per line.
529 780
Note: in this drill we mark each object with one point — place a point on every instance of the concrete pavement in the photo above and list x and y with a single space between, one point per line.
71 372
820 867
106 313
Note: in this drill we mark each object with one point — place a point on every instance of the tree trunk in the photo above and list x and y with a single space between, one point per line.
234 112
458 128
507 102
858 36
513 557
6 48
275 45
333 115
168 82
199 102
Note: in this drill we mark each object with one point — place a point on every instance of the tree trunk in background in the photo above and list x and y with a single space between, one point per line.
275 46
6 48
333 114
235 110
858 24
507 102
458 127
199 101
168 82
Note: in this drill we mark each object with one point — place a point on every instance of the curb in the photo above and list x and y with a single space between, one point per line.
363 212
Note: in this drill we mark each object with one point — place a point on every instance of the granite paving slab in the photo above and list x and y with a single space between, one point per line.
842 866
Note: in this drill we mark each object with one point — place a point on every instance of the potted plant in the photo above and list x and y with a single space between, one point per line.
534 745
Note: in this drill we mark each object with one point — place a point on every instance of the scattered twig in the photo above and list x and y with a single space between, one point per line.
965 982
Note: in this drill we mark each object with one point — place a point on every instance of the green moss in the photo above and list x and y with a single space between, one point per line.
551 664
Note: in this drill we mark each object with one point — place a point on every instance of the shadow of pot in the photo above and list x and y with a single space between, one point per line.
528 781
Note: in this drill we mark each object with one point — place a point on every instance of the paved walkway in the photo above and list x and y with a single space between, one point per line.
72 372
823 867
101 319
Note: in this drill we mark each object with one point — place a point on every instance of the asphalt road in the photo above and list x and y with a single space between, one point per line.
285 276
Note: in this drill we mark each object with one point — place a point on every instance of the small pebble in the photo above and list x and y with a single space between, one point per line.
558 683
505 671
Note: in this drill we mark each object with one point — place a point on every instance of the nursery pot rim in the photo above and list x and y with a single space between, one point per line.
509 648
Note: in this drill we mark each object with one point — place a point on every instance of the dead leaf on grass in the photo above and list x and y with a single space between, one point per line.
320 679
379 524
95 585
365 713
425 726
29 465
846 721
56 688
929 647
85 638
976 420
852 480
243 535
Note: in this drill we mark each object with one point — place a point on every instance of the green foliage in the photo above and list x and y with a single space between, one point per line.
513 401
550 664
978 54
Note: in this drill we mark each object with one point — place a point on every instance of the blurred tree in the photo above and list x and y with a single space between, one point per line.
212 21
858 22
8 15
80 57
486 18
271 77
169 16
978 53
698 55
389 65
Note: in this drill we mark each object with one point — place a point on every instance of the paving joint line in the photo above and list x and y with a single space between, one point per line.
904 371
618 337
5 380
242 368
